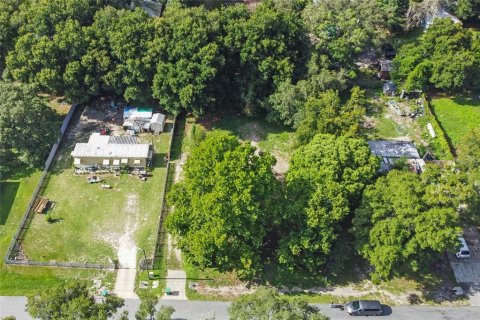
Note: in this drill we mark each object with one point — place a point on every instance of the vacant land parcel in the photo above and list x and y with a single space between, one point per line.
457 116
88 223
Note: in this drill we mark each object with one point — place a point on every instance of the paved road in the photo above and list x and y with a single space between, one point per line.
199 310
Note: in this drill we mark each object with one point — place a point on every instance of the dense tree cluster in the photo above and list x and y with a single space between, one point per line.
28 127
405 219
446 57
225 205
192 58
325 180
267 303
229 207
72 301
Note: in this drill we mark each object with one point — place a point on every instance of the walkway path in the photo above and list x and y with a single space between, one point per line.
125 283
176 279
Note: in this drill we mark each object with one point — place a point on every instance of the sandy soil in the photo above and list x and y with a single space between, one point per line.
124 243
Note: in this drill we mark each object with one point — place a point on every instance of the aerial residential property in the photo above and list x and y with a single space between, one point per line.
112 152
239 159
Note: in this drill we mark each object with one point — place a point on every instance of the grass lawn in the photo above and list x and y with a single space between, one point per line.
91 223
457 115
269 136
14 197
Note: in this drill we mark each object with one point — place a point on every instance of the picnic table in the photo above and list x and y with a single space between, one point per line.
41 204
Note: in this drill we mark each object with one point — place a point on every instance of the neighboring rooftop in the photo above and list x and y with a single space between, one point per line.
394 149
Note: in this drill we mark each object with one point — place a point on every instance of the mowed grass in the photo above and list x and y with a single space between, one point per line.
276 139
457 116
14 280
89 220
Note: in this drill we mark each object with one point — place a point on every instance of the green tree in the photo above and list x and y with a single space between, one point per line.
267 303
405 220
329 115
466 9
343 29
71 301
165 313
446 56
324 183
225 206
273 52
8 27
146 311
188 60
469 150
28 127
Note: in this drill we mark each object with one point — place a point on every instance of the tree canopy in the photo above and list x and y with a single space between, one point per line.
268 304
71 301
225 205
405 219
28 127
325 180
446 57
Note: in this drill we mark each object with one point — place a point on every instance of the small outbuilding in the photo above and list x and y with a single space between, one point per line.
392 151
389 88
386 66
157 123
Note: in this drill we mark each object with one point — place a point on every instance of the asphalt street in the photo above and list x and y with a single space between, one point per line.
199 310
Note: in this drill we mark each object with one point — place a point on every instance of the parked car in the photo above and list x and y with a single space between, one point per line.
364 308
464 251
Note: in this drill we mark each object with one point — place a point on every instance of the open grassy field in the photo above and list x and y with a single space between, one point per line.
14 197
457 115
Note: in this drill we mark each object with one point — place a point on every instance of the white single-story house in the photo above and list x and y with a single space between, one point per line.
112 152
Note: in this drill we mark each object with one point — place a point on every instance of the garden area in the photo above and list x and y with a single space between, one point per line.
89 224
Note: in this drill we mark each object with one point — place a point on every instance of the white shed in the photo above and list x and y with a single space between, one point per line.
157 123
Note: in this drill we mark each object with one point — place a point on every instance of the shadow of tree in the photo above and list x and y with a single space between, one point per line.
8 192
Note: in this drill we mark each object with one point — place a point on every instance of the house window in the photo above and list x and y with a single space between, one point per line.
124 161
76 161
116 162
106 162
136 161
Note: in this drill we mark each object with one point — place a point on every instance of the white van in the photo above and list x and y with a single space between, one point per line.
464 251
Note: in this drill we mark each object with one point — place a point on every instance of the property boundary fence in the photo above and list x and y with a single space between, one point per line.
158 252
13 255
442 137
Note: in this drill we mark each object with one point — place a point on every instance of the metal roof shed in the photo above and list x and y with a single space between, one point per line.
157 123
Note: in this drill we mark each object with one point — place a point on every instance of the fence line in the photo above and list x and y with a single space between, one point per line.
15 245
164 207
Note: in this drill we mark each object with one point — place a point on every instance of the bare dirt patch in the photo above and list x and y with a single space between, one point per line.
124 243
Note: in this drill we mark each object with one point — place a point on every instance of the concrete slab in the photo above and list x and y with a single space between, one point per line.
125 284
176 281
